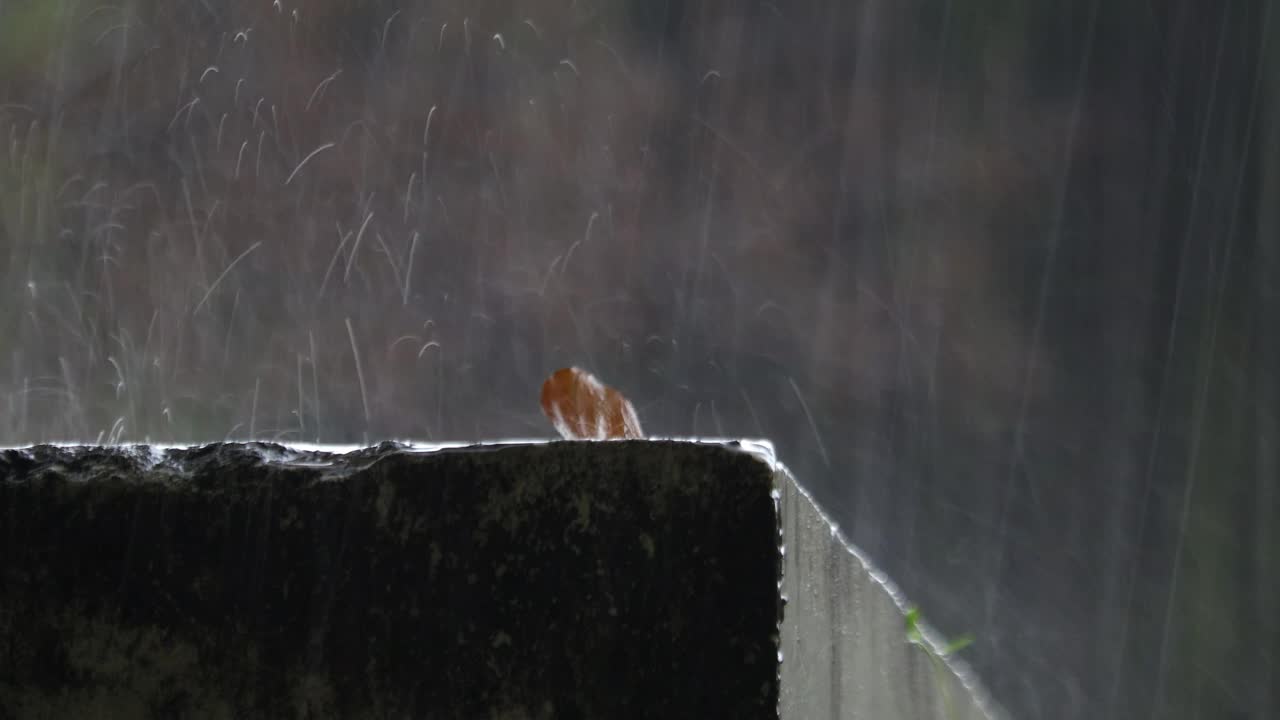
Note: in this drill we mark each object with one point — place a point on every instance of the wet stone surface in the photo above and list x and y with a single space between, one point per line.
565 580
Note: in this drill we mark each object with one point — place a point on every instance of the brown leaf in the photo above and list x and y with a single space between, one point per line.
583 408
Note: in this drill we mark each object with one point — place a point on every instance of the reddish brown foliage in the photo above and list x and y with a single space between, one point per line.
583 408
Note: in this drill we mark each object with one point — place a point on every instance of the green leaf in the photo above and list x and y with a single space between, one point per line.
913 625
957 644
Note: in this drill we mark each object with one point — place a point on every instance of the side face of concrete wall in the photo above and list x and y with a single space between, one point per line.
844 639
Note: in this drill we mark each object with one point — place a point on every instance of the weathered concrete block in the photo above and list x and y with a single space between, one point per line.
844 637
562 580
565 580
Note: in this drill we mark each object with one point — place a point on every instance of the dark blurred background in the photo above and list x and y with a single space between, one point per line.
998 277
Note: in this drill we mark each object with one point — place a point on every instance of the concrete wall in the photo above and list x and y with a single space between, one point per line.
621 579
844 639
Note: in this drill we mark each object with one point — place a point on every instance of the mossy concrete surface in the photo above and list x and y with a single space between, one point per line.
561 580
